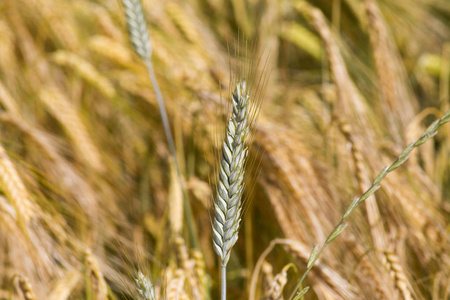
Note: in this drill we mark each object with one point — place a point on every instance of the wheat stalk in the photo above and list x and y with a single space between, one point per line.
228 202
140 38
316 252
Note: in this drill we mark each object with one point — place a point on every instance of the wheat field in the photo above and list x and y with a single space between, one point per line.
93 204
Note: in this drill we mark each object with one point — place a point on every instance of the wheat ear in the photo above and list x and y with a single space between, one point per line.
24 286
228 202
144 287
140 38
316 252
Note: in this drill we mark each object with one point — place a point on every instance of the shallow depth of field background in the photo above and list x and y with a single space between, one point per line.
88 193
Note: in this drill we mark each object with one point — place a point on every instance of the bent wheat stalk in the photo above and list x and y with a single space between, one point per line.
230 186
316 252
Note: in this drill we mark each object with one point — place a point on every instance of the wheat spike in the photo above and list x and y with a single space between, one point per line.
200 271
7 100
228 204
94 269
86 71
275 290
184 22
61 108
25 287
392 265
14 189
144 287
188 266
137 28
175 286
367 269
267 271
64 286
112 50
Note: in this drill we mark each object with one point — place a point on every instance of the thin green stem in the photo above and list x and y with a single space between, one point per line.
170 141
223 280
428 133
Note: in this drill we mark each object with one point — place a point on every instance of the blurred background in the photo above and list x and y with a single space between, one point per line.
88 192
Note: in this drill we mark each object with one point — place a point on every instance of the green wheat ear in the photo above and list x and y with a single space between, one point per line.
228 202
144 287
137 28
